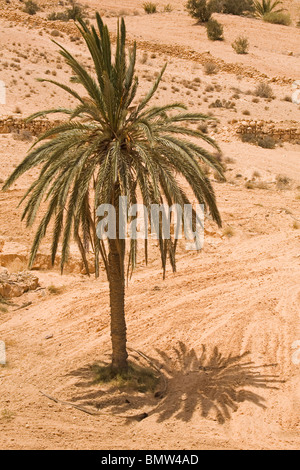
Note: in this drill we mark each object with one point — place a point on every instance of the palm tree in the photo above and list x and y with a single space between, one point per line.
266 6
111 146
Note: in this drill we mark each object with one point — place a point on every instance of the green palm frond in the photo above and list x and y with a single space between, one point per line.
111 145
264 7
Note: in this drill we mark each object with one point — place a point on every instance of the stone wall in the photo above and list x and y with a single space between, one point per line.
36 127
281 131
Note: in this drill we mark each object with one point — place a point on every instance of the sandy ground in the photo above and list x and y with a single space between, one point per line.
240 295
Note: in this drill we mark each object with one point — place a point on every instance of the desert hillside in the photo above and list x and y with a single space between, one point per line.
233 308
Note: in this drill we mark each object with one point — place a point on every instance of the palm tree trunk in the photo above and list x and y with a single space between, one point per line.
117 308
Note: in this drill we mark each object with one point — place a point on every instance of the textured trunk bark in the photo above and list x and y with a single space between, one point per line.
117 308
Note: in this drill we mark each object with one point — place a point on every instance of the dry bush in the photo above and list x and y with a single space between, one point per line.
144 58
238 7
54 290
150 7
210 68
31 7
168 8
24 135
228 231
266 142
214 30
282 182
278 18
264 90
241 45
199 9
296 225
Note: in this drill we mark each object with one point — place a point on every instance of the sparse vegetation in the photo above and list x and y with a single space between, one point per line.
214 30
58 16
23 135
150 8
75 12
282 182
168 8
238 7
278 18
55 290
200 10
136 378
31 7
296 225
211 68
228 231
265 7
7 415
264 141
264 90
241 45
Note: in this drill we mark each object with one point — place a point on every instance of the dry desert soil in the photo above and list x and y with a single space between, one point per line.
232 308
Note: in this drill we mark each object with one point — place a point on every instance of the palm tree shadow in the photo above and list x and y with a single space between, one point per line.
210 383
215 384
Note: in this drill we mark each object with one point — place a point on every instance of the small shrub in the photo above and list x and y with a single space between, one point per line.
54 290
203 127
137 378
238 7
228 231
282 182
76 12
214 30
229 160
227 104
199 9
241 45
55 33
168 8
266 142
278 18
24 135
216 5
60 16
7 415
144 58
263 90
249 185
31 7
150 8
210 68
296 225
